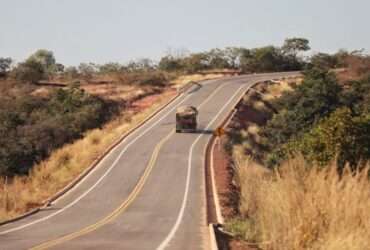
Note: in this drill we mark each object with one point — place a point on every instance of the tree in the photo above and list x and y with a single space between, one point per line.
315 98
340 135
46 59
59 68
324 61
71 72
217 59
292 46
31 70
143 64
5 65
233 55
196 62
170 63
110 68
265 59
87 69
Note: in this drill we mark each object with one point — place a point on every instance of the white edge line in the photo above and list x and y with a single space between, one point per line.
100 179
212 237
125 139
220 218
111 167
171 234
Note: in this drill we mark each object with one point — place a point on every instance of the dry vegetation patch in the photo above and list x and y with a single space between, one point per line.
22 193
304 207
64 164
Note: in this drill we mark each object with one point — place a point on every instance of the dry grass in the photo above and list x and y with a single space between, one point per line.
277 88
182 80
66 163
48 177
303 207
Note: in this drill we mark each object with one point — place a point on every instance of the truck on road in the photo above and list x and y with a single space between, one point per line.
186 119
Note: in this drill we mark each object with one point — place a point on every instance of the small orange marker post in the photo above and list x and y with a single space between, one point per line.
219 132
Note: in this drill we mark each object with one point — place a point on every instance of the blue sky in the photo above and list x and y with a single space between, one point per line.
120 30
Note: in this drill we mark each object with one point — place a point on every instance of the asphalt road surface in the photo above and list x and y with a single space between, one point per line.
148 193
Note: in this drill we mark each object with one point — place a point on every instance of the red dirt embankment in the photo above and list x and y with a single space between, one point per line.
252 113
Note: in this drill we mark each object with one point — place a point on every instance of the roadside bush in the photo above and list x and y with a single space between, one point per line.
31 127
29 71
339 136
151 78
5 65
170 64
315 98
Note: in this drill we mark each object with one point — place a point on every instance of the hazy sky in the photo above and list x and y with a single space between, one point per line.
119 30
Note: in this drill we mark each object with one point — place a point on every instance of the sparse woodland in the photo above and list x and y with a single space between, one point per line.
302 172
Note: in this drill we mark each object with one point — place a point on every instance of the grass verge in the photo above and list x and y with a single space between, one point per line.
23 193
303 207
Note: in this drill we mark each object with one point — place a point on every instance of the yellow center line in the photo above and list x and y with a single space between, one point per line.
118 211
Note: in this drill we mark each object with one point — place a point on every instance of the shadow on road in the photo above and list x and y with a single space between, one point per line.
198 87
198 131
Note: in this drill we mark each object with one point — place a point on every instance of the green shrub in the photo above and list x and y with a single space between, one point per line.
31 127
29 71
340 135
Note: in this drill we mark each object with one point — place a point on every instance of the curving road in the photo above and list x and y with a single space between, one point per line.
148 193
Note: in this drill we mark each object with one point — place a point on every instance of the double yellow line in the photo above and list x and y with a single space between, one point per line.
118 211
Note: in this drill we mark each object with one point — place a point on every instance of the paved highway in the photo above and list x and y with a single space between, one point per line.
148 193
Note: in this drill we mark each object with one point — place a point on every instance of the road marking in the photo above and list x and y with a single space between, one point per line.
220 218
171 234
128 201
116 212
99 180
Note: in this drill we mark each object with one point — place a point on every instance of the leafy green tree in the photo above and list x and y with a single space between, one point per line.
324 61
292 46
5 64
59 68
141 65
196 62
46 59
31 127
170 63
233 55
340 135
316 97
265 59
30 71
110 68
217 59
87 70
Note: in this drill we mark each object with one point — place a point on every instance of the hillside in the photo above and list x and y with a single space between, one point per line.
293 172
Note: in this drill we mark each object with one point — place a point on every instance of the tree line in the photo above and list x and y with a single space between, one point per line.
324 119
32 126
43 65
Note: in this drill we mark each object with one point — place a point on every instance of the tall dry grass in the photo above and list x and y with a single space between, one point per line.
48 177
304 207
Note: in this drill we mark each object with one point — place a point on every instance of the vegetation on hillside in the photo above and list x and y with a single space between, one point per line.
264 59
24 192
323 119
32 127
302 206
34 122
301 169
